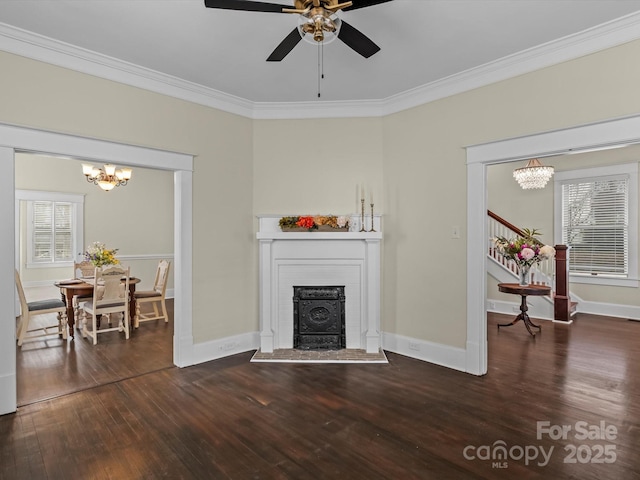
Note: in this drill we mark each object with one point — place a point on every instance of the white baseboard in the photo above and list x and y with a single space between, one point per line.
631 312
224 347
512 308
437 353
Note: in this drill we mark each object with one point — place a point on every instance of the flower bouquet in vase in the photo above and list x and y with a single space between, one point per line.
99 255
525 251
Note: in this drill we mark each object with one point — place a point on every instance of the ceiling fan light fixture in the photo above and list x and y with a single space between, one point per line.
533 175
319 28
326 30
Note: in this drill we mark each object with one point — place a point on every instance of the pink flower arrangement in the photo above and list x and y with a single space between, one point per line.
526 250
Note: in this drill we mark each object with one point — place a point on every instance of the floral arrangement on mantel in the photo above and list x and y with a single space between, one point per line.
98 254
310 223
525 251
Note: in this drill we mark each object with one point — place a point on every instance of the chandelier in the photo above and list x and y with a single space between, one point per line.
106 178
533 175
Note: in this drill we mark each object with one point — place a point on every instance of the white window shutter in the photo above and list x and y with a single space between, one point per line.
52 232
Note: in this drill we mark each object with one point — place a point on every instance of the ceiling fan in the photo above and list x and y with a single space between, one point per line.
317 19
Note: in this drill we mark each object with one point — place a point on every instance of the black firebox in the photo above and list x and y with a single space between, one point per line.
318 318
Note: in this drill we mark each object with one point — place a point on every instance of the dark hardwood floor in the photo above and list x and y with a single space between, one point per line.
53 367
232 419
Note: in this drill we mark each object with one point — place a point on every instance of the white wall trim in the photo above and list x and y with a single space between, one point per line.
8 389
38 47
631 312
183 268
13 139
444 355
146 256
513 308
592 136
224 347
35 195
85 148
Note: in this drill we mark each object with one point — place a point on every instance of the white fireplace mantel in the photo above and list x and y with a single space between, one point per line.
350 259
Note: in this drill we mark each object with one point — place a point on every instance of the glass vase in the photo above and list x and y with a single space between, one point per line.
523 274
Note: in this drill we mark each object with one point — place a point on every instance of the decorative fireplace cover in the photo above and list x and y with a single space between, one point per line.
318 318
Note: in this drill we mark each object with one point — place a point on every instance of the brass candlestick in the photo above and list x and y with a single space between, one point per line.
362 229
372 229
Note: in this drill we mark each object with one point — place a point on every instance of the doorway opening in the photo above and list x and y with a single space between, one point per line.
19 139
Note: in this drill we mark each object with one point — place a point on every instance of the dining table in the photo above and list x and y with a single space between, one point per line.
83 287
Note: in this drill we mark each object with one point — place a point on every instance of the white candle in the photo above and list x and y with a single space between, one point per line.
362 191
371 196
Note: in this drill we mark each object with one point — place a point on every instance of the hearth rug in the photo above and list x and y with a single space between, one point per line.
344 355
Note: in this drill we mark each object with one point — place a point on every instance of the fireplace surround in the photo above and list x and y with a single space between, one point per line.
350 259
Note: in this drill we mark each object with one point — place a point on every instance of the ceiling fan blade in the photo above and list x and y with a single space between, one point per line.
363 3
285 46
357 40
246 5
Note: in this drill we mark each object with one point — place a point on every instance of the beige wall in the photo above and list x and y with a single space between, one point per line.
38 95
314 166
416 159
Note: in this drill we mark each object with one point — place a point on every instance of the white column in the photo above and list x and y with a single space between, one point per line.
8 392
183 269
476 352
267 305
372 308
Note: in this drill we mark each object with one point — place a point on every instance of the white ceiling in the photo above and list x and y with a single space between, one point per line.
422 41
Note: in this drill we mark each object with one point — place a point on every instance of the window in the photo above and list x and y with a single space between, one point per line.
50 231
53 227
596 210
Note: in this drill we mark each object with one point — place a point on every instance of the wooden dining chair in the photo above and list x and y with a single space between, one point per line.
82 271
154 297
28 310
111 295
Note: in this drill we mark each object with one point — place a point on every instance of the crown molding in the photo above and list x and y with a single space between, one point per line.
37 47
318 109
601 37
27 44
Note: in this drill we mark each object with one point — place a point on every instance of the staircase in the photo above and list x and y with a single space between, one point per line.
561 305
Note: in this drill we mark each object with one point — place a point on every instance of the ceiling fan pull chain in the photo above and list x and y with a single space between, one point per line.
322 60
319 68
320 64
